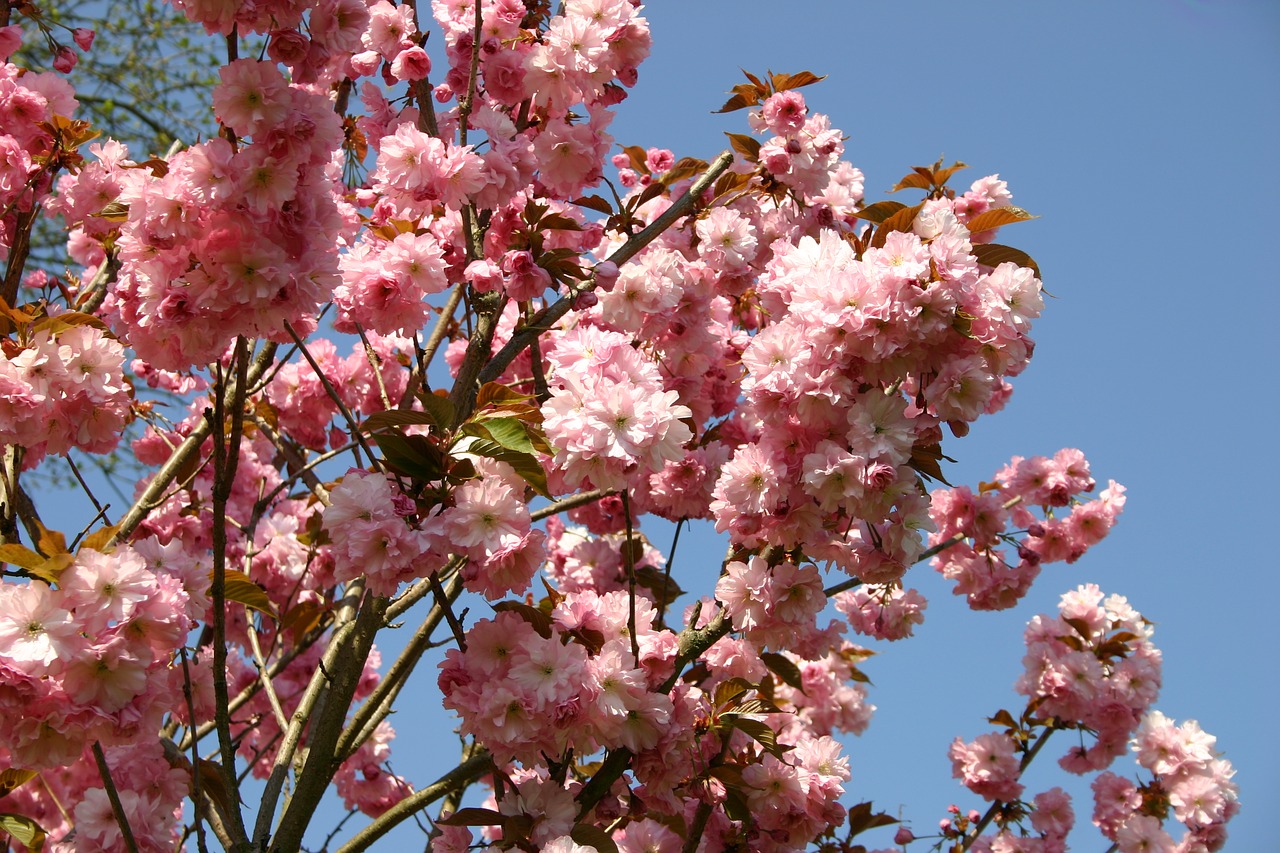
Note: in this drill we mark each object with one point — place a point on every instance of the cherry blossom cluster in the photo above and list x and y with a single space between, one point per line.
63 390
1188 777
1093 667
972 528
89 659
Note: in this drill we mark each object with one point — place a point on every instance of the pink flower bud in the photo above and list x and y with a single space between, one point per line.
606 273
288 47
903 836
583 301
83 37
365 63
412 63
65 60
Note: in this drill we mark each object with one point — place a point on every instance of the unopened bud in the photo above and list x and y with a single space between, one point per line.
903 836
606 275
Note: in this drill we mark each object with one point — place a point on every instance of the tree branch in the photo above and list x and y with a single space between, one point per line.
547 317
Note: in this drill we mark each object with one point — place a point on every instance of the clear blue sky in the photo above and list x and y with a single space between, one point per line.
1144 134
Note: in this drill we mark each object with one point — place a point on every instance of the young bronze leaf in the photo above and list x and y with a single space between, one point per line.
473 817
51 541
685 167
783 82
900 221
396 418
759 732
737 102
594 202
593 836
20 556
14 777
880 211
996 217
913 181
638 158
993 255
663 587
24 830
243 589
941 176
537 620
51 569
745 145
784 668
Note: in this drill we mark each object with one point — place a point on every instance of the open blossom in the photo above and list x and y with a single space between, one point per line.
987 766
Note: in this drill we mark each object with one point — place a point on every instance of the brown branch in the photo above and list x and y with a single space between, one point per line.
117 808
547 317
459 777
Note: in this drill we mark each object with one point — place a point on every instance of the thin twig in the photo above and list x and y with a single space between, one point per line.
113 795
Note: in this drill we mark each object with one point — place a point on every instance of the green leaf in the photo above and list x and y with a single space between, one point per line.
241 588
993 255
525 464
783 667
996 217
736 806
440 408
24 830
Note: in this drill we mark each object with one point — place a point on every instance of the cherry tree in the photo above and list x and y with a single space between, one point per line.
421 345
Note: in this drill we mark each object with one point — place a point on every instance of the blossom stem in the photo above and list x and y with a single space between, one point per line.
117 808
998 804
226 459
461 776
629 561
438 333
153 495
333 395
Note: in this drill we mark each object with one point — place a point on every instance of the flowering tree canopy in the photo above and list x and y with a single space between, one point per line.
421 345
